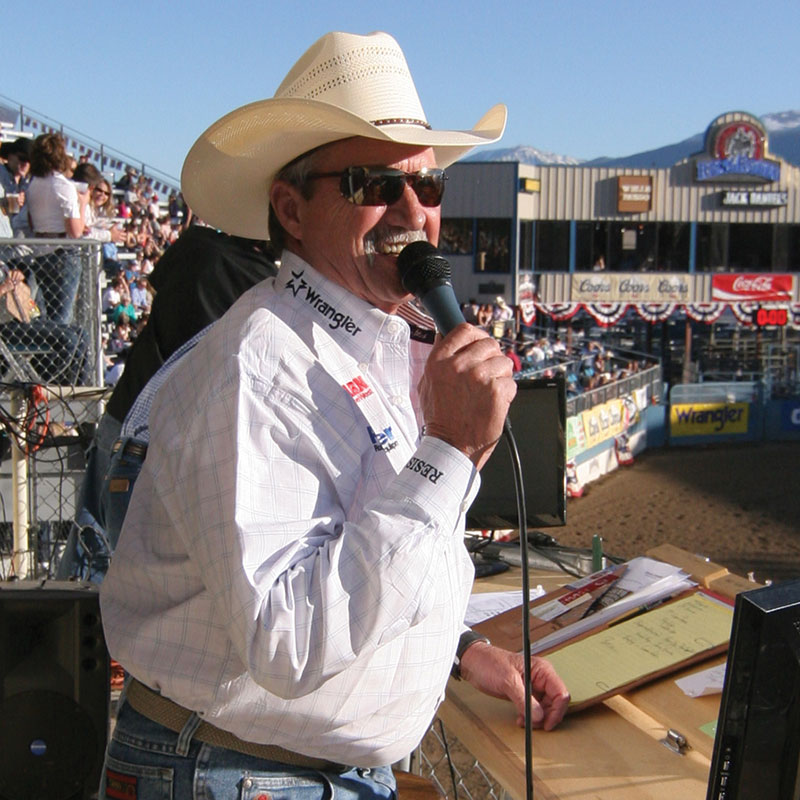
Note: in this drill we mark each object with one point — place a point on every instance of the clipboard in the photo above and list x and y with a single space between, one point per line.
642 647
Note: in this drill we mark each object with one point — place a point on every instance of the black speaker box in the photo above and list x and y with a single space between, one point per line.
54 691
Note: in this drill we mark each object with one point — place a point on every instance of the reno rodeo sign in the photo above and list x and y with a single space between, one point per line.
736 152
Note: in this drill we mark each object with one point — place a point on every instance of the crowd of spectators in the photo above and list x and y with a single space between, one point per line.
72 198
585 364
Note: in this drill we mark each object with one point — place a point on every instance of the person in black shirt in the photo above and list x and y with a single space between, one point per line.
196 280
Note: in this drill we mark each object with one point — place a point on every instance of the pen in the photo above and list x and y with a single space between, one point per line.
635 612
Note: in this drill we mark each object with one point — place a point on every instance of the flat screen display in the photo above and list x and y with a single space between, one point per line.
538 421
757 744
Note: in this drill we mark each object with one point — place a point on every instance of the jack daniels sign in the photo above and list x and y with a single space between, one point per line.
750 199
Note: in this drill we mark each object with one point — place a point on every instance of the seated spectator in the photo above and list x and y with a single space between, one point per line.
112 295
485 316
124 308
115 366
127 179
99 217
511 353
15 160
140 295
121 335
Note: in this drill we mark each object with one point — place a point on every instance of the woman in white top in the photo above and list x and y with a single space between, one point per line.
100 214
57 211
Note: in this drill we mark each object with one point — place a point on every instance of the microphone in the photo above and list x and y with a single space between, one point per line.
425 273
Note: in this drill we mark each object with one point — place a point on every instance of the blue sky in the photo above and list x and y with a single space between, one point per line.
583 78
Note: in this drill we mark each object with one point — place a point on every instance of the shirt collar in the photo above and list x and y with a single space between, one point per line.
355 324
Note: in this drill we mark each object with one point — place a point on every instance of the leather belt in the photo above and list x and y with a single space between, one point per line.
165 712
129 448
40 235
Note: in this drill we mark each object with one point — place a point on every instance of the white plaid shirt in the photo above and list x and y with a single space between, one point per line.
275 572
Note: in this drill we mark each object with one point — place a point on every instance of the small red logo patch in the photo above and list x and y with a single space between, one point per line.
120 787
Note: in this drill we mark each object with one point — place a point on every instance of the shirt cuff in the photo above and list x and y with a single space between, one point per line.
440 479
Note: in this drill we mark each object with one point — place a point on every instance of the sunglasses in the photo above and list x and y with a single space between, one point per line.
381 186
102 191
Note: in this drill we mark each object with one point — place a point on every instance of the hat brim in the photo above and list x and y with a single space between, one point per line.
227 174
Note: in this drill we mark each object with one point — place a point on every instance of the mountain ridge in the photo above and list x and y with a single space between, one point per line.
783 130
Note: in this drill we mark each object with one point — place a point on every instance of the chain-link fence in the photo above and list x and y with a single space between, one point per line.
45 434
51 374
50 321
456 771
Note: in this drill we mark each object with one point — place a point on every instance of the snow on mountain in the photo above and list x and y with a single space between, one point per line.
525 154
783 128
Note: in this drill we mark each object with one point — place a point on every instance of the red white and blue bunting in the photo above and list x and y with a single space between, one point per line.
559 311
607 314
744 312
655 312
527 308
705 312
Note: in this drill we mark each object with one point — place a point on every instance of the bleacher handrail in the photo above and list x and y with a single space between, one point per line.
32 122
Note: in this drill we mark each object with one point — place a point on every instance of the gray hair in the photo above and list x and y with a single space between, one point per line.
295 173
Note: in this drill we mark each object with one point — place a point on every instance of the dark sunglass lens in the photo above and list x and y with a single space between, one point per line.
429 189
386 189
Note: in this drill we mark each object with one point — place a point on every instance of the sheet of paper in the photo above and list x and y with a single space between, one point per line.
649 594
664 637
488 604
643 572
706 681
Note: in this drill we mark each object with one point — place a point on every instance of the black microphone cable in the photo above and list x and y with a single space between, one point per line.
426 274
519 487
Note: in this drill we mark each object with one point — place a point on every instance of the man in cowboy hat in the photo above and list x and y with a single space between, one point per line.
289 588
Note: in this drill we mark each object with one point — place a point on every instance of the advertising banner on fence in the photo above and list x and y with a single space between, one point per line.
632 287
790 416
576 438
708 419
603 422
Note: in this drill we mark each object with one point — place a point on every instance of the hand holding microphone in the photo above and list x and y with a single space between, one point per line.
468 383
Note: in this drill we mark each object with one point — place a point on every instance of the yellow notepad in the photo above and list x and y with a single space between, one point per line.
643 647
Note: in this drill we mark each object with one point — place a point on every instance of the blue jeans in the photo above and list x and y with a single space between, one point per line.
148 761
59 276
117 488
86 552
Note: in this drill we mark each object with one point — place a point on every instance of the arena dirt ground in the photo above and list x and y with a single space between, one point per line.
738 505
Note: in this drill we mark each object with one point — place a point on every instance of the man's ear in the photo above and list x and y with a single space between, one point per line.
286 200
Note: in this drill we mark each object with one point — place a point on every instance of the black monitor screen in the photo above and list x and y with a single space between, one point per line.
538 421
757 745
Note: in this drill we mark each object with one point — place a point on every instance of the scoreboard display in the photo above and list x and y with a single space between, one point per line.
770 317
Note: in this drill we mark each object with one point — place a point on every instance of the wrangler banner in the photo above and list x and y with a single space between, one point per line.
708 419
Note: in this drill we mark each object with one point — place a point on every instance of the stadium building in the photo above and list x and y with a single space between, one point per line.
715 233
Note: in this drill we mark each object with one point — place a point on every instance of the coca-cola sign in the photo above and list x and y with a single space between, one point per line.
736 288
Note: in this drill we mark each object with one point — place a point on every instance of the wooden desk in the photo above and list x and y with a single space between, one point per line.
612 751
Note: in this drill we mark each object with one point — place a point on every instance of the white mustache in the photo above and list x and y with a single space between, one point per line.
392 243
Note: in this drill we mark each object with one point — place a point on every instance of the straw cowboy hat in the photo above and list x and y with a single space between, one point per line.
344 85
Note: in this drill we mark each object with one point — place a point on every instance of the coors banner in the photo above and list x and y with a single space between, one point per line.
631 287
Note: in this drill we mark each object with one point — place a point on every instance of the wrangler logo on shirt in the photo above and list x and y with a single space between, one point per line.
425 469
384 440
357 388
297 284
